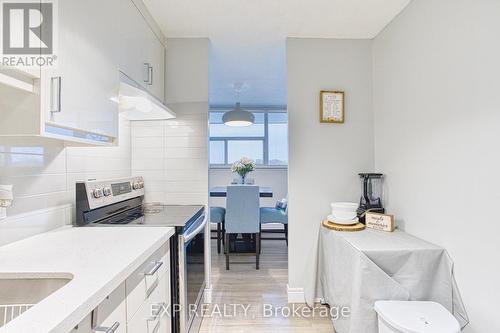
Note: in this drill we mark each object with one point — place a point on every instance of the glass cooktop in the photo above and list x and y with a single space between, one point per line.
156 214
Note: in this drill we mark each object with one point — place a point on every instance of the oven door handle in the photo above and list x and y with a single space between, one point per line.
196 231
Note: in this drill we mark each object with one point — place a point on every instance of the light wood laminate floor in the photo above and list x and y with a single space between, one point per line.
252 288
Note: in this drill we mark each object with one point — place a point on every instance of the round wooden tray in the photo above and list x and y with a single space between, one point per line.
339 227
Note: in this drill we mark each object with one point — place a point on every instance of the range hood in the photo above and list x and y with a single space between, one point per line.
136 103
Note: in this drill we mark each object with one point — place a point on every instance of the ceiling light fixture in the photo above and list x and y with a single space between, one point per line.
238 117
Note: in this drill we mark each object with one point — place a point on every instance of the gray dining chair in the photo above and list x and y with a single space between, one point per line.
277 214
242 216
217 216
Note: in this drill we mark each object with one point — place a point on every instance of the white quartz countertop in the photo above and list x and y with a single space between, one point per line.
97 259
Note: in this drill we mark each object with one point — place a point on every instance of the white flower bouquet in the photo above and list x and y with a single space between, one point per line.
243 167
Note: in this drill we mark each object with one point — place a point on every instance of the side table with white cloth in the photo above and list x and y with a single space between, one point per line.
356 269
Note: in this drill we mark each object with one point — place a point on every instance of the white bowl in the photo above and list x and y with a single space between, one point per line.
344 215
344 206
342 221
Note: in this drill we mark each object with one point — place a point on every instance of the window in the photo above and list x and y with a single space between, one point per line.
265 142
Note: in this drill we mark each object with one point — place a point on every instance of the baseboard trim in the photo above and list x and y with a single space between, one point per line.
207 295
295 295
298 296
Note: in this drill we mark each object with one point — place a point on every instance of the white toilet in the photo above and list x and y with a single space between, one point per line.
414 317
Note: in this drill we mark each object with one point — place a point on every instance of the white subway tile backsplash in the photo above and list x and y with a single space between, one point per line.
155 196
26 204
44 174
46 161
186 152
140 153
175 170
185 186
196 130
31 145
149 175
32 223
81 164
35 184
186 141
188 121
186 175
147 142
194 198
157 186
146 123
147 164
186 164
149 130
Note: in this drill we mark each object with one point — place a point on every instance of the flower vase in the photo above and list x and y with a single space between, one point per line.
243 178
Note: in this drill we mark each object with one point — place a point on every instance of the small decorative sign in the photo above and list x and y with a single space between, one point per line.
382 222
331 106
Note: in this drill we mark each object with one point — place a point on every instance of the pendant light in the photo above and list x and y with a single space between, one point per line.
238 117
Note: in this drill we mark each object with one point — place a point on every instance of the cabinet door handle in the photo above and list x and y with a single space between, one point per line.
150 75
146 76
55 94
111 329
97 328
154 269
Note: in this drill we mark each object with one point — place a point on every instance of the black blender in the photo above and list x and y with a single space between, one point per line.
372 195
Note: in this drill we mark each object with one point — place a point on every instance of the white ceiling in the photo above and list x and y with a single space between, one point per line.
248 36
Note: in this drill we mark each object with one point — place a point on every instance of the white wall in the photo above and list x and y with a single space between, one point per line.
325 158
276 178
44 174
172 155
437 129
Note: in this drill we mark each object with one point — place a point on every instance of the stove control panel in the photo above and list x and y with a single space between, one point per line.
106 192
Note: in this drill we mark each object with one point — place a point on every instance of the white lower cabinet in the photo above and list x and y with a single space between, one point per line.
141 304
111 313
151 316
110 316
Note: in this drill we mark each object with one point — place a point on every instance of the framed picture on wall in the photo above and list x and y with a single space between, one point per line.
331 104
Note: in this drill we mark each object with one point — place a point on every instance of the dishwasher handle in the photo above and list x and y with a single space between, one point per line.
196 231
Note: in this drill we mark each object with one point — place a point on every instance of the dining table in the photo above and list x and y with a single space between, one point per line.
221 192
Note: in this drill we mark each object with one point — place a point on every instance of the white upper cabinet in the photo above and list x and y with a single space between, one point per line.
145 62
77 100
85 81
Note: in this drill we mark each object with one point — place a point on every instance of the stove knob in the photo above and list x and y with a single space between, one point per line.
97 193
106 191
141 184
135 186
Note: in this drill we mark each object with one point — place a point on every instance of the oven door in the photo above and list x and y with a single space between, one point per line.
192 274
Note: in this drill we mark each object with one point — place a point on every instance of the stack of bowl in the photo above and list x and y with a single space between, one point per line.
344 213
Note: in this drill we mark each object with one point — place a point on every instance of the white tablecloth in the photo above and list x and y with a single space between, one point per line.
355 269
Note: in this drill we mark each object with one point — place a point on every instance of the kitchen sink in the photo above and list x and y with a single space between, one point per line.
20 293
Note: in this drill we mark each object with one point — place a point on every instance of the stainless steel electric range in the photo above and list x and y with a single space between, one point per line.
120 202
